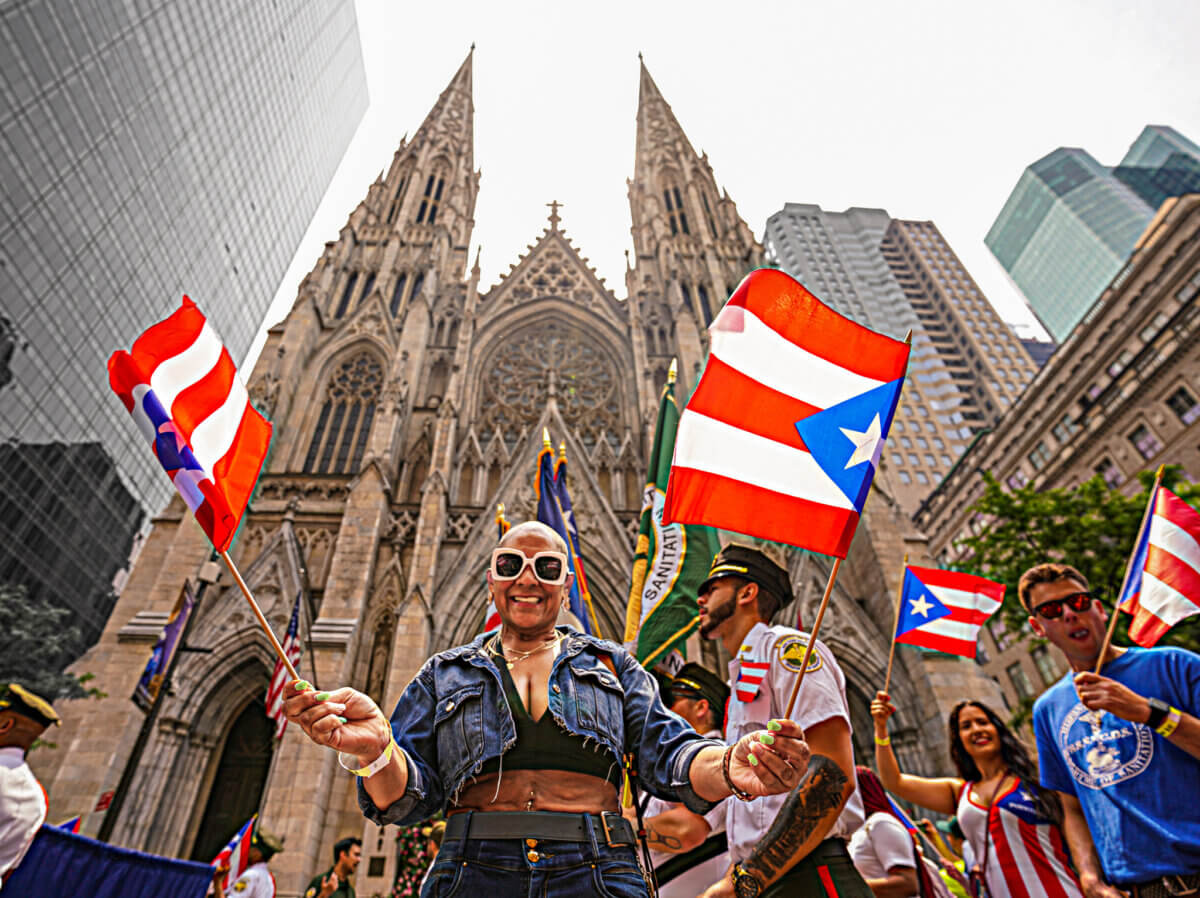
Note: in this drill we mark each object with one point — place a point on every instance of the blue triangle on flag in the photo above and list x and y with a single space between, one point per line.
846 439
918 606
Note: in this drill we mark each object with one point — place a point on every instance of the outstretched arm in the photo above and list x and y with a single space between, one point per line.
939 794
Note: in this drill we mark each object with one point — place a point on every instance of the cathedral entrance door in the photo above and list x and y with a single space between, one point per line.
241 775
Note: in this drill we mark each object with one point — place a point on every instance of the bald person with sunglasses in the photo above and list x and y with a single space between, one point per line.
519 737
1121 747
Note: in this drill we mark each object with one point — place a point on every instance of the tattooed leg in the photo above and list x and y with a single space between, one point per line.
810 810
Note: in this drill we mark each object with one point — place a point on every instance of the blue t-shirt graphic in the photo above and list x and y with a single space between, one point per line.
1139 793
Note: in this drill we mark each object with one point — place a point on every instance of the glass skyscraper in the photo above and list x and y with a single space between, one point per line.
145 152
1070 223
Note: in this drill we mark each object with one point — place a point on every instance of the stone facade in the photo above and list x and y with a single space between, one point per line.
407 401
1119 396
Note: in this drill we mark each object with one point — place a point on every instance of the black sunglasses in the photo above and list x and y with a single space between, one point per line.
1078 602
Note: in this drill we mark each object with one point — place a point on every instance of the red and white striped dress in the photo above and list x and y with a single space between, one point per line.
1027 857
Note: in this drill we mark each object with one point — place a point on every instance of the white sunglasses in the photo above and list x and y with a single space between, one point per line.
549 567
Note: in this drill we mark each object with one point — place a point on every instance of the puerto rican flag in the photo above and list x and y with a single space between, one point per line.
1164 586
237 854
750 678
182 388
280 678
943 610
783 434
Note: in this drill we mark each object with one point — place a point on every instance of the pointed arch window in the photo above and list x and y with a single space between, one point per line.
418 283
687 294
347 292
712 226
675 213
398 293
705 306
368 284
344 423
431 200
397 201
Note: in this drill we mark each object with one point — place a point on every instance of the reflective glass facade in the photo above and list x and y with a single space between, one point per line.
145 152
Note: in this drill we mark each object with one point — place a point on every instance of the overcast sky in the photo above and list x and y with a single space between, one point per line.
929 110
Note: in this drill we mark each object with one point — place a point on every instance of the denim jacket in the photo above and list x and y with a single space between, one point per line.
453 717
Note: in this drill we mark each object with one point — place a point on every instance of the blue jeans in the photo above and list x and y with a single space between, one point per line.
500 868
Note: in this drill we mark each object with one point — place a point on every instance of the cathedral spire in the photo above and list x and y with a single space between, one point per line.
658 130
453 114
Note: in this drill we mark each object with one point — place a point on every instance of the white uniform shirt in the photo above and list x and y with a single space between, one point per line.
256 882
881 844
22 807
822 697
700 877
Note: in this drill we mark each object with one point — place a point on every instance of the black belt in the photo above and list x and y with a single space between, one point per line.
1167 887
549 825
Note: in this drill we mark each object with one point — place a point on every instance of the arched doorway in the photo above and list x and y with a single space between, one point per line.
239 781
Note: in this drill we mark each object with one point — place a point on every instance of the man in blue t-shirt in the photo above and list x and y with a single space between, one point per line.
1122 748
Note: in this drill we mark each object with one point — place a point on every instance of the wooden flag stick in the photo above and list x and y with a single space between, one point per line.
262 621
887 680
812 637
1112 623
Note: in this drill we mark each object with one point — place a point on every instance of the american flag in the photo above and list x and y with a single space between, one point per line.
181 387
279 679
783 434
236 854
1164 587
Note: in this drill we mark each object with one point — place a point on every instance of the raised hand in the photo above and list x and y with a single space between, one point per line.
343 719
770 761
881 709
1099 693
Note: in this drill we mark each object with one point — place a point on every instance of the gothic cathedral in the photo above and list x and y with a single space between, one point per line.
408 400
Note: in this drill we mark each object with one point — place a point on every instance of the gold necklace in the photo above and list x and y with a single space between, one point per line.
522 655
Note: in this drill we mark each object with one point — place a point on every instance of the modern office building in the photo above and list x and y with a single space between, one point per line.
1070 223
894 276
144 153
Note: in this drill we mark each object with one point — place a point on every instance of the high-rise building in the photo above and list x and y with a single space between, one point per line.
896 276
145 153
409 400
1070 223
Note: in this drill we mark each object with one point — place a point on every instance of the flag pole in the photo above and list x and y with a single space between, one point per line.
812 637
1112 623
262 621
887 680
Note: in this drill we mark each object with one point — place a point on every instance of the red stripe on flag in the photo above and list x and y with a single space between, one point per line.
123 376
1004 854
933 576
238 469
1146 628
973 616
785 306
168 337
693 497
205 396
1174 572
770 414
938 643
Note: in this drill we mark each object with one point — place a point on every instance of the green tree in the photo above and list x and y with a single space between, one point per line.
1091 527
37 637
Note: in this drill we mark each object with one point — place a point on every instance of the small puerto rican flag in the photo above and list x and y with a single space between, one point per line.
750 676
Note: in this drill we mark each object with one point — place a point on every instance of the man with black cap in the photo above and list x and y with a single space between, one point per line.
257 880
679 838
23 717
792 844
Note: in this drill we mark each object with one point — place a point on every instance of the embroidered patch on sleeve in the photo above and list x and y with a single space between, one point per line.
791 654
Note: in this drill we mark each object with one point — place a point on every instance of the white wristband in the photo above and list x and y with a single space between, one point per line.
375 766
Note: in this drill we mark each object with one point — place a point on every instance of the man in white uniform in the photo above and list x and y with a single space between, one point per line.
792 844
23 717
677 836
257 881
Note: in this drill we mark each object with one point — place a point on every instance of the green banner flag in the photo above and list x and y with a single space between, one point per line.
669 562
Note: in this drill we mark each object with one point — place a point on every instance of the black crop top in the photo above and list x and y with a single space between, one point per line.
543 745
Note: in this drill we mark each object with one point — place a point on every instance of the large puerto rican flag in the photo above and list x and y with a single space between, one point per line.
181 387
783 434
1164 586
943 610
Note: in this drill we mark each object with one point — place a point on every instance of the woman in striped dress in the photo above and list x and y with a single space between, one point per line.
1012 824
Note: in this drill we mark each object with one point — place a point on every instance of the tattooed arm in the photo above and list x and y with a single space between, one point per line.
676 830
811 808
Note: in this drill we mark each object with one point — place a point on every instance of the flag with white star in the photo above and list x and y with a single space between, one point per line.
943 610
782 436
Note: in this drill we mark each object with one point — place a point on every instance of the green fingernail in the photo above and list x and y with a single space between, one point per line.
303 685
774 725
766 739
341 720
322 696
753 761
